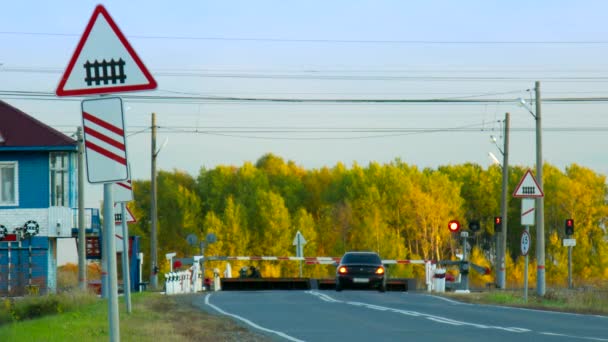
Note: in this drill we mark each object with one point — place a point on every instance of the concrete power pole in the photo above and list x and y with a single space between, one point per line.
153 214
82 261
504 205
540 203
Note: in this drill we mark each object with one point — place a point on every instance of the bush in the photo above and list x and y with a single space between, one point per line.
13 309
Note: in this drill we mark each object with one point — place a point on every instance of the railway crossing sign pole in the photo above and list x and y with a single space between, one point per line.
104 63
299 242
526 241
528 190
123 193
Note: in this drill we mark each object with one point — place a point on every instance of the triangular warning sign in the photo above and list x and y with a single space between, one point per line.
118 214
528 187
104 62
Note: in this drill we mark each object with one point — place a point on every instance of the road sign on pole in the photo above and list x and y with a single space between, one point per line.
104 140
299 242
526 241
118 215
104 62
123 191
528 187
527 211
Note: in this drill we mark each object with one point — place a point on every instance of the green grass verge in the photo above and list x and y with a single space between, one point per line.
155 317
585 301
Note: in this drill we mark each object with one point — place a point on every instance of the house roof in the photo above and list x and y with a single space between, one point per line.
19 131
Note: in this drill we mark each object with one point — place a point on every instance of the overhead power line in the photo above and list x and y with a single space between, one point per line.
326 41
337 133
48 95
317 75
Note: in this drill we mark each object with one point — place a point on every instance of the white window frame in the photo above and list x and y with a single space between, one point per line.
15 166
65 181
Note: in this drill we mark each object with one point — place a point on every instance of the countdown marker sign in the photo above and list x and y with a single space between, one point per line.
104 140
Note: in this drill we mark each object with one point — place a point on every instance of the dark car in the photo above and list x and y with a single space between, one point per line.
361 270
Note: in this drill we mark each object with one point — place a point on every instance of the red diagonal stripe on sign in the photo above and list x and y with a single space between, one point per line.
102 123
104 138
527 212
105 152
126 186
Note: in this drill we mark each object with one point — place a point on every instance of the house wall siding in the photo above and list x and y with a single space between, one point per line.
33 178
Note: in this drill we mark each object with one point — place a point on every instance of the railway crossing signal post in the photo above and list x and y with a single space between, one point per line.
528 190
104 63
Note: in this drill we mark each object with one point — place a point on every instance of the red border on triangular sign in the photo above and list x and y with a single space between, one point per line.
526 175
104 90
129 212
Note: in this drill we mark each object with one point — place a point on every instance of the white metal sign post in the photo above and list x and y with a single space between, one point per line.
526 241
104 62
569 243
106 156
123 193
527 189
299 242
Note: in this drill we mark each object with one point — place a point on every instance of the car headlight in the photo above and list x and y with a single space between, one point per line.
342 270
380 270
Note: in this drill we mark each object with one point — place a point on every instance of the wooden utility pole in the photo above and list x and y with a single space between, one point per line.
153 214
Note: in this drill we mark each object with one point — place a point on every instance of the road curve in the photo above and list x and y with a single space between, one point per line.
394 316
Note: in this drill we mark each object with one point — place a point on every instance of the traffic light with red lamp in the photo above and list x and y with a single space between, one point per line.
454 226
569 227
497 224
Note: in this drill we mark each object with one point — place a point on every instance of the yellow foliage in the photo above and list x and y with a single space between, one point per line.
476 278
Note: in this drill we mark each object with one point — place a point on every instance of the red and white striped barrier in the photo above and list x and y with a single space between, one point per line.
309 260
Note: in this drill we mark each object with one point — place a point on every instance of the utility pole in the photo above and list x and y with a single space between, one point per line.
504 205
153 214
82 261
540 202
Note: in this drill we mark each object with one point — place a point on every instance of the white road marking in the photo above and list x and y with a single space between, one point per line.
572 337
438 319
324 297
448 300
450 321
245 320
544 311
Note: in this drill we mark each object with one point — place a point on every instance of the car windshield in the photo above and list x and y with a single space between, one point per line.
361 258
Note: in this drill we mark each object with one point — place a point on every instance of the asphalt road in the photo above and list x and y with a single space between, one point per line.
394 316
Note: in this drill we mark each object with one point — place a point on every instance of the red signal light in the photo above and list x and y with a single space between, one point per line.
454 226
569 227
497 224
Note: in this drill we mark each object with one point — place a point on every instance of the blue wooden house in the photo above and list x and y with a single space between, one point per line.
37 194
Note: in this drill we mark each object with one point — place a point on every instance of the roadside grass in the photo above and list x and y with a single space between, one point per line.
582 300
155 317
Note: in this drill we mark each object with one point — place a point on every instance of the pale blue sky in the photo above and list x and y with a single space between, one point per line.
332 49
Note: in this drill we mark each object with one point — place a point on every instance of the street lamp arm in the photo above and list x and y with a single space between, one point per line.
161 147
522 103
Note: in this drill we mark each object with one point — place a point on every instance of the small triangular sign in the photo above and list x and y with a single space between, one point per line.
104 62
118 214
528 187
299 239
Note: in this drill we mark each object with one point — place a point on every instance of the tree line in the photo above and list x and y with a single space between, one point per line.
395 209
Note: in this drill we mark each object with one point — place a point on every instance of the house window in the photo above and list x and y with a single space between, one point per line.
59 179
8 183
